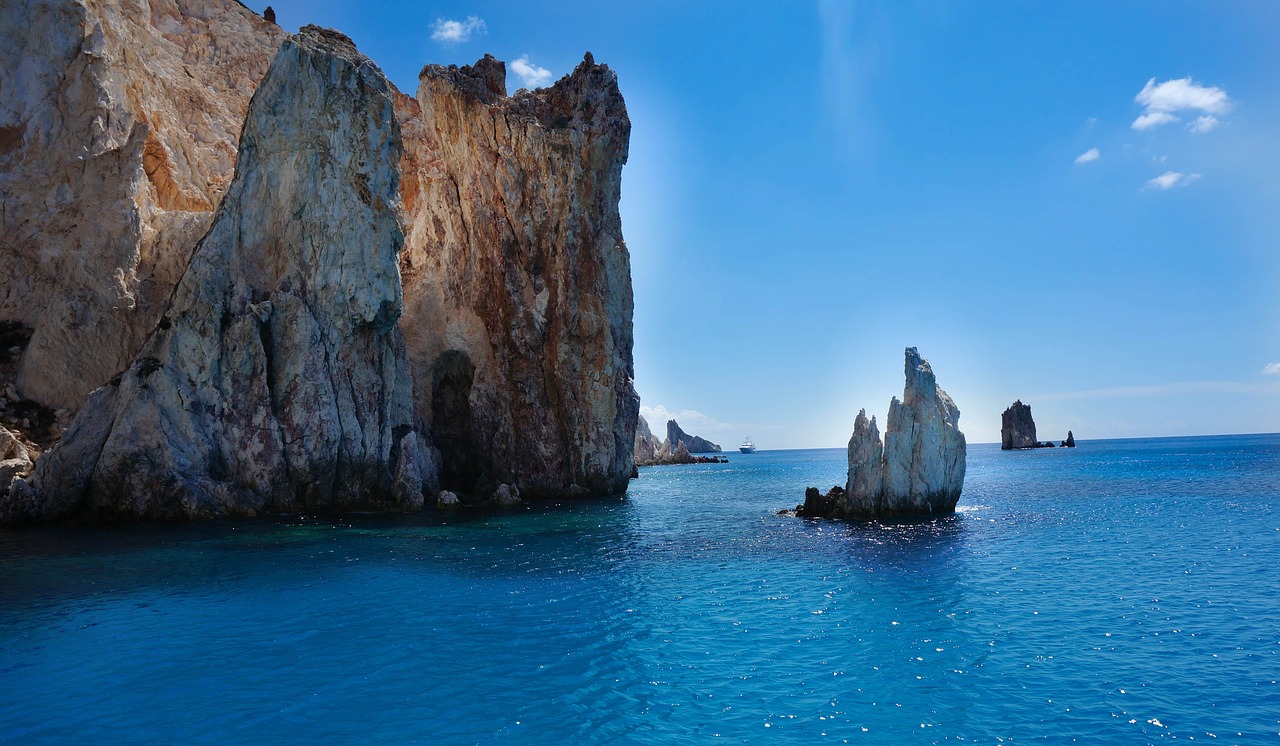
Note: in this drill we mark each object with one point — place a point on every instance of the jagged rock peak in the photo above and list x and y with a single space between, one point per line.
694 443
277 378
518 283
919 469
486 81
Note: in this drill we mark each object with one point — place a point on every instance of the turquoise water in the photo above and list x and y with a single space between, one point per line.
1121 592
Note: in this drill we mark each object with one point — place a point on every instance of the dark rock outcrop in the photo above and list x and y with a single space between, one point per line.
1070 442
277 379
919 469
1018 429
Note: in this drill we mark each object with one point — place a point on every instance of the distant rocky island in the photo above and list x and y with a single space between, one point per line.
1018 430
919 468
678 448
243 274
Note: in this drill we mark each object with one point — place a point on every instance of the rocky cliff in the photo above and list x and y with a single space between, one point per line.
919 469
517 281
276 379
118 130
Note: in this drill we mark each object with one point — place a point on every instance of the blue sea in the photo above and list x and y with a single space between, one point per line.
1123 592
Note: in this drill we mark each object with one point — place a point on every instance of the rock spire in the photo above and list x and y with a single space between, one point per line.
919 468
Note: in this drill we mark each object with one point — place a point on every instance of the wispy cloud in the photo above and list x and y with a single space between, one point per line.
1154 119
457 32
1171 179
1169 389
1089 155
1272 369
1162 101
530 74
1204 123
696 423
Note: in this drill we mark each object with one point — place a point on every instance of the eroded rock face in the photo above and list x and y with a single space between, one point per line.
920 468
118 130
1017 428
277 379
517 291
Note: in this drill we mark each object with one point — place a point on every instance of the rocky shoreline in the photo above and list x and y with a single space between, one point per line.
283 285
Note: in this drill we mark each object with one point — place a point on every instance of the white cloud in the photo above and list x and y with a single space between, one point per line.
1171 179
1091 154
530 74
1160 101
1154 119
1204 123
1183 93
456 32
1272 369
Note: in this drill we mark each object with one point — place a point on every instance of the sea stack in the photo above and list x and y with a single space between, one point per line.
919 468
276 379
1017 428
518 299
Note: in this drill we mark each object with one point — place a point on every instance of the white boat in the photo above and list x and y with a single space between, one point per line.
747 446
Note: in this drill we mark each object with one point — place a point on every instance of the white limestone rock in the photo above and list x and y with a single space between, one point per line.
920 468
277 379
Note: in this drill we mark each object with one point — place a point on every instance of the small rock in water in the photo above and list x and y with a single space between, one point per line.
506 496
447 500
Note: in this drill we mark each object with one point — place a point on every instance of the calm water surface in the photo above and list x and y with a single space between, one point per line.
1121 592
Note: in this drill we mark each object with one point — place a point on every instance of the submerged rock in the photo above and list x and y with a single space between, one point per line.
919 469
518 299
277 379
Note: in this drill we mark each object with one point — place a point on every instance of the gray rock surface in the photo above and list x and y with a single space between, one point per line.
1017 428
920 468
277 379
118 130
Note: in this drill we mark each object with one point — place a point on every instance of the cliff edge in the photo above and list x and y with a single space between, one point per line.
276 379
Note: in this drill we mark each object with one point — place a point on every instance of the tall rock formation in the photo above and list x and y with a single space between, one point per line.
517 281
694 443
118 130
277 379
646 444
1017 428
920 468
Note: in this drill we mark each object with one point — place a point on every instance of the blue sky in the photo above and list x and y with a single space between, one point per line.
814 187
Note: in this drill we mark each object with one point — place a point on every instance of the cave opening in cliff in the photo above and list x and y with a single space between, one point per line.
452 427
